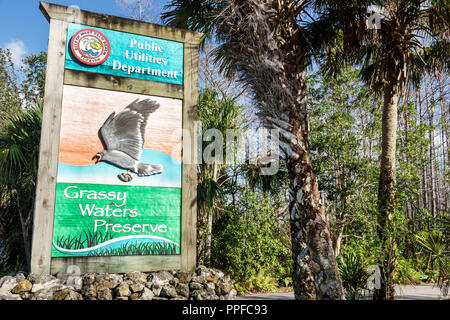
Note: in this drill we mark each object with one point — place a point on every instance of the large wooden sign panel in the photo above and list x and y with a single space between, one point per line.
113 191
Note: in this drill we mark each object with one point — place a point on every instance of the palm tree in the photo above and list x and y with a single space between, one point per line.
401 39
266 45
19 150
219 115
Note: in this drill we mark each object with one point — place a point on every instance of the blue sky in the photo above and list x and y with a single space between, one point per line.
24 29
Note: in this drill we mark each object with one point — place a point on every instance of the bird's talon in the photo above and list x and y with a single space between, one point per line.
125 177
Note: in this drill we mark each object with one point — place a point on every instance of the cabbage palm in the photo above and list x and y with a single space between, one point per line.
400 40
434 244
266 45
19 150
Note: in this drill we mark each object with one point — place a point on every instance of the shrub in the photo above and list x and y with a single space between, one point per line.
354 275
250 244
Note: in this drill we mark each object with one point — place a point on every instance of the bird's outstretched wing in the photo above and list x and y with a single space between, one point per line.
126 131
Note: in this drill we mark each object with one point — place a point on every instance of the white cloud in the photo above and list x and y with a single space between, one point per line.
18 51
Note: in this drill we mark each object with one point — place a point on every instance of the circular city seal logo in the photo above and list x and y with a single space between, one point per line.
90 46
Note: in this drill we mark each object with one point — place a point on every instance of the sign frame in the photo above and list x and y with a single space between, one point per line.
56 77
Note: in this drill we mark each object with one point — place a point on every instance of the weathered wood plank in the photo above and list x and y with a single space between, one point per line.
189 180
48 150
110 82
116 264
53 11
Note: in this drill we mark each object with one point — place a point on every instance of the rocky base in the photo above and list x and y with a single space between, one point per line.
203 284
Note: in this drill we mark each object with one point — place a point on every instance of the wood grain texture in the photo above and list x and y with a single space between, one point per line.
53 11
110 82
189 177
117 264
48 150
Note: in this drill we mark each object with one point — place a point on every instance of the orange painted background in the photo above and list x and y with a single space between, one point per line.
85 110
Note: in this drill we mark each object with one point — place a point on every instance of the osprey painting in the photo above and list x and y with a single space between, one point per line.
123 135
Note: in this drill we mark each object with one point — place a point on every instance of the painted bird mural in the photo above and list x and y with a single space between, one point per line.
123 135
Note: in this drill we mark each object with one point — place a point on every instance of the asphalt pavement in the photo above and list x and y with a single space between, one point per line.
405 292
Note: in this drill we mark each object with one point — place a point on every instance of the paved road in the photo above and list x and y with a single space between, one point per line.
419 292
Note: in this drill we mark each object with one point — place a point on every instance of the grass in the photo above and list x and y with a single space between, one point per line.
140 249
88 239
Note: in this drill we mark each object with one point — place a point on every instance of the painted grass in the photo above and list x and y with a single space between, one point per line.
85 240
88 239
141 249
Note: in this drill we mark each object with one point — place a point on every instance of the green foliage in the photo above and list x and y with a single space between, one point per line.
9 88
434 245
249 245
19 147
6 269
353 271
344 129
207 192
259 282
406 272
33 69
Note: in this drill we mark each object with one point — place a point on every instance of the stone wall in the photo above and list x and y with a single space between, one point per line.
203 284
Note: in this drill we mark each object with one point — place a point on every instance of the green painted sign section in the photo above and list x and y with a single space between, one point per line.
106 220
131 55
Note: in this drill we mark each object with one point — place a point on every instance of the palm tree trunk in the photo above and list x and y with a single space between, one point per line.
387 187
210 224
315 274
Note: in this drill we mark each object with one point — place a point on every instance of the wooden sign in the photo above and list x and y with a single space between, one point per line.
113 192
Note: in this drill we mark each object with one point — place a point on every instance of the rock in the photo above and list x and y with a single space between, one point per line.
147 294
116 279
197 295
136 287
199 279
135 296
162 278
122 290
223 288
210 294
89 291
74 283
136 277
182 289
212 278
195 286
22 286
62 277
7 283
121 298
209 285
66 294
9 296
168 292
19 275
174 282
156 288
88 279
232 295
159 298
104 294
27 296
201 271
184 276
105 283
43 294
42 282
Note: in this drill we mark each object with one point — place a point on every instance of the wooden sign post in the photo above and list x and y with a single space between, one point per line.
114 190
